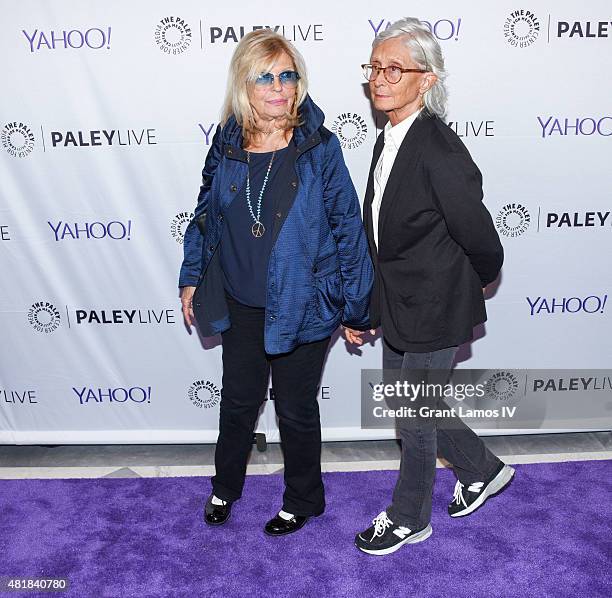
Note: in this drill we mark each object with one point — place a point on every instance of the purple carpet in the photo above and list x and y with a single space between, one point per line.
548 534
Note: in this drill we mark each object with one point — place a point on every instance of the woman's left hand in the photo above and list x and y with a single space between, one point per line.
353 336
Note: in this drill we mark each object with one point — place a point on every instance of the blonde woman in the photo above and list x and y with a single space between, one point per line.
279 258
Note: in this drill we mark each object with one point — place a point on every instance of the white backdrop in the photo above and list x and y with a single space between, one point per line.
106 113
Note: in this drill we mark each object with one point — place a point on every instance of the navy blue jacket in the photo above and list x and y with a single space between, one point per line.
320 273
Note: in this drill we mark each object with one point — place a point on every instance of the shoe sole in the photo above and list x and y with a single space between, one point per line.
415 539
497 484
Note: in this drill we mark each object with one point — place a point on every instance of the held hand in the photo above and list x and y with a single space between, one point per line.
186 301
353 336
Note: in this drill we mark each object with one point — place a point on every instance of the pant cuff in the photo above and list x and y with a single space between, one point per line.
404 521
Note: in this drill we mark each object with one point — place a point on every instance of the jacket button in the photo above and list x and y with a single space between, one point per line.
315 269
220 217
211 248
294 184
272 318
278 214
230 152
233 188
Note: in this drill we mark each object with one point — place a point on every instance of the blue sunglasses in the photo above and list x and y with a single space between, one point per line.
286 78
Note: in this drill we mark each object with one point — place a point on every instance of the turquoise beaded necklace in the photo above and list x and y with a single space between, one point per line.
258 229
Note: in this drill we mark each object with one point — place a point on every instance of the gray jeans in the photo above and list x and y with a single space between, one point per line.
422 439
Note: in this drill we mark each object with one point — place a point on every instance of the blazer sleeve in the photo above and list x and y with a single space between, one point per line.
344 216
192 243
457 186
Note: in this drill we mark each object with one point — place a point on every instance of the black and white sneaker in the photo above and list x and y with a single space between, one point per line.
384 537
467 500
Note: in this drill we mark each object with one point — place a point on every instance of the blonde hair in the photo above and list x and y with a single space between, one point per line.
256 53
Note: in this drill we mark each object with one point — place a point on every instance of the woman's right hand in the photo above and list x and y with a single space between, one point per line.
187 301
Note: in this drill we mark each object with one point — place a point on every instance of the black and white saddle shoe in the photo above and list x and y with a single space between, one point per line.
384 536
466 499
285 523
217 514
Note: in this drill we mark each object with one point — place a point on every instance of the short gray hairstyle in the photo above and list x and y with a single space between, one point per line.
426 52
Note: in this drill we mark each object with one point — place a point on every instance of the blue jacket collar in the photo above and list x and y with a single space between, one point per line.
305 136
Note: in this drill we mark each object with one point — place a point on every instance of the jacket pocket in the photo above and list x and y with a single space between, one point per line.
328 287
419 319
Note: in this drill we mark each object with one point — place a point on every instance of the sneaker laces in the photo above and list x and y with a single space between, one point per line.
458 493
381 523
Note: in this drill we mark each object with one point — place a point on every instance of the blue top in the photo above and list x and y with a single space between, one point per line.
244 257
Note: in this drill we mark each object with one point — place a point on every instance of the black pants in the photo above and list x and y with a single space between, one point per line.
295 380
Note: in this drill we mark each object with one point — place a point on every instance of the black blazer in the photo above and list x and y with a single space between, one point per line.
438 246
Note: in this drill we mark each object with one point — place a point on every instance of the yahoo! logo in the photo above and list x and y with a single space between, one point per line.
94 38
92 230
207 130
567 305
135 394
443 29
575 126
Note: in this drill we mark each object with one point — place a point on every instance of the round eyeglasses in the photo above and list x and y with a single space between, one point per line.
392 73
286 78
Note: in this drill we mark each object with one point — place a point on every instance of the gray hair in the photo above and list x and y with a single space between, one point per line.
426 52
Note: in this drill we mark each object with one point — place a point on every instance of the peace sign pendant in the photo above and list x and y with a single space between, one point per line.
258 229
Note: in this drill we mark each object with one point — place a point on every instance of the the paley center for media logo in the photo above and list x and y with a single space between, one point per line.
513 220
179 224
173 35
351 129
521 28
17 139
204 394
44 317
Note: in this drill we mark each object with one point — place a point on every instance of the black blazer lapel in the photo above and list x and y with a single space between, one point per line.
409 151
369 194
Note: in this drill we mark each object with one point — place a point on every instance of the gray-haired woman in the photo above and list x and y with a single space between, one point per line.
434 249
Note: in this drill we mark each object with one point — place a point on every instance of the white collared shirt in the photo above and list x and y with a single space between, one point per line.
394 136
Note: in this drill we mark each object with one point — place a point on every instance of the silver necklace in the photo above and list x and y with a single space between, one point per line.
258 229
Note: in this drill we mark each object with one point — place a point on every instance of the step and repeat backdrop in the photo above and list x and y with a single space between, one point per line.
107 112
